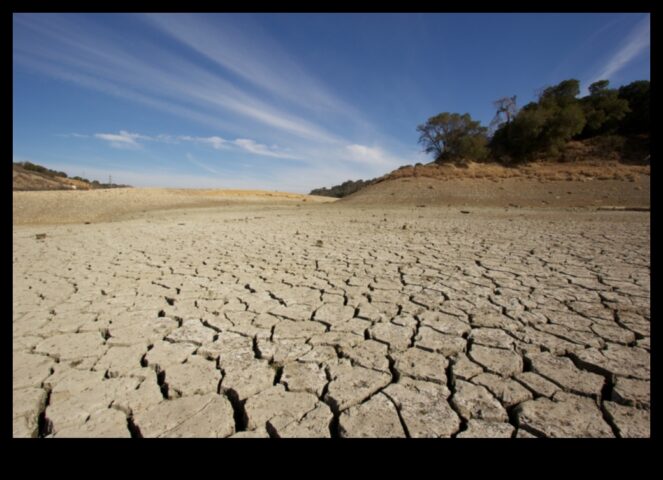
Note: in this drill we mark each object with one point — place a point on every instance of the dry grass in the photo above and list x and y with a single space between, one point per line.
542 171
27 180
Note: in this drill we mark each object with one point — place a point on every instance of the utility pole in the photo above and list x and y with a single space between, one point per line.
110 180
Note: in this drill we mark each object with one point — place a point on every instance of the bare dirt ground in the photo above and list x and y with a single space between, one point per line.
338 319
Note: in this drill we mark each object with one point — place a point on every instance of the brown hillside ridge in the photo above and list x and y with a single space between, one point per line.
29 180
540 184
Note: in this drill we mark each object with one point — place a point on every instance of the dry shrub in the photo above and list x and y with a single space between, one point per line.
615 176
589 167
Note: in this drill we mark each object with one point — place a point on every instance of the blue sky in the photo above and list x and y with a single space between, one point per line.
284 102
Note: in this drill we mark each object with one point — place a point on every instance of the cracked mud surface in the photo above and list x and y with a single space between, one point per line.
408 322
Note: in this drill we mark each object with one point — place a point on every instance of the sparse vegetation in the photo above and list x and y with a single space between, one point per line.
342 190
47 179
38 168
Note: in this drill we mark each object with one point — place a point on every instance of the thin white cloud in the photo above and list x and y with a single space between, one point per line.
204 166
370 156
72 135
259 149
122 140
245 144
636 43
166 138
129 140
215 142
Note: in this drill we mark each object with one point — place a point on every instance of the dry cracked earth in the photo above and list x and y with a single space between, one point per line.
330 321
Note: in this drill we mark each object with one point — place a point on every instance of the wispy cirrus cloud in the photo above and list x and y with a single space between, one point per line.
72 135
245 144
202 165
150 74
634 44
260 149
255 57
259 98
215 142
129 140
123 139
373 156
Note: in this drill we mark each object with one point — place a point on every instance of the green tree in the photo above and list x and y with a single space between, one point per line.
603 109
343 190
453 137
522 137
638 97
598 87
541 127
562 94
563 123
33 167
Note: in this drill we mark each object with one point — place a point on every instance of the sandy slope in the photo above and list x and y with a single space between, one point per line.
27 180
53 207
588 183
505 192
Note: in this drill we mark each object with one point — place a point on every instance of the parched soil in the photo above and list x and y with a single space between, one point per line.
331 320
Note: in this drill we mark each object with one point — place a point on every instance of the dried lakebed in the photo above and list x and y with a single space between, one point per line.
326 321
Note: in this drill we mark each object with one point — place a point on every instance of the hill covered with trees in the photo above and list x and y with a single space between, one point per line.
544 128
608 123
